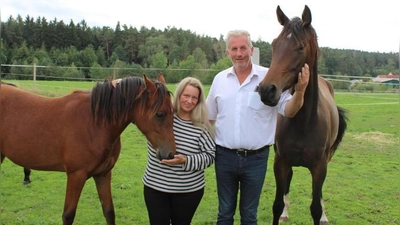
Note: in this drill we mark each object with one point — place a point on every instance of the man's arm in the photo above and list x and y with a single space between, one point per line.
297 100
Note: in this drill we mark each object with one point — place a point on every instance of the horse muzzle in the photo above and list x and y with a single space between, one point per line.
269 94
164 154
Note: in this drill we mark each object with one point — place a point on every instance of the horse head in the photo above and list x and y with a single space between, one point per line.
294 46
155 119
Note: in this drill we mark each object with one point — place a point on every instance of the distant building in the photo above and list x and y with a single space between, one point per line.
390 79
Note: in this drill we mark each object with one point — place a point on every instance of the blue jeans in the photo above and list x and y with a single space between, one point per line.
235 172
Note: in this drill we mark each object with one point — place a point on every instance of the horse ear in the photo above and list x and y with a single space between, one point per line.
150 86
161 78
282 18
306 17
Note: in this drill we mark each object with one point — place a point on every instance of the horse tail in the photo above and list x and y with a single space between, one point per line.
342 128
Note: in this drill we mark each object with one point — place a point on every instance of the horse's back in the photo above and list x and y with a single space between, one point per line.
32 125
23 109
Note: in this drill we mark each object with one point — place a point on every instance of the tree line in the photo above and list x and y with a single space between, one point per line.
99 52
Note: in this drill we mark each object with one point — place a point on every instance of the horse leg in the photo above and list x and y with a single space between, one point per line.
317 207
103 186
27 173
324 219
285 214
281 171
75 183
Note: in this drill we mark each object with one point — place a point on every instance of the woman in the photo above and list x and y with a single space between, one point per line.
174 188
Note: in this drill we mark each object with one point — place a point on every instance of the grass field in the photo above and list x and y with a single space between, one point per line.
362 186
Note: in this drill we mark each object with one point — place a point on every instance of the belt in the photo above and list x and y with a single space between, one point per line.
245 152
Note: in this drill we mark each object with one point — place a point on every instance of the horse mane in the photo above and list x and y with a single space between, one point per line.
296 28
111 104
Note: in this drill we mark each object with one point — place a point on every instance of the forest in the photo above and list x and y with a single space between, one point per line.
95 53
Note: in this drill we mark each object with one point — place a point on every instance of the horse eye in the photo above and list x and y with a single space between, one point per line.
160 115
301 47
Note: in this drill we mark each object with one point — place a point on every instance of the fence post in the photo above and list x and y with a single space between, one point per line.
34 74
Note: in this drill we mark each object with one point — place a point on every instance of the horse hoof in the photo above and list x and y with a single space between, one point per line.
283 219
323 223
26 182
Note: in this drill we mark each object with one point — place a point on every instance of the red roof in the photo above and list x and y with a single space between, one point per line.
389 76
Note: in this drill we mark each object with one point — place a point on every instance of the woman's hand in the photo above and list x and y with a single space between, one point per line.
178 159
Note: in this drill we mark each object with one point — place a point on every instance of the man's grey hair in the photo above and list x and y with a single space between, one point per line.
235 33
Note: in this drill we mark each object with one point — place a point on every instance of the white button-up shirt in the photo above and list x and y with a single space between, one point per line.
241 119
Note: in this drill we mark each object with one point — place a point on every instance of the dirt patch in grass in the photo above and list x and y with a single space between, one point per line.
377 137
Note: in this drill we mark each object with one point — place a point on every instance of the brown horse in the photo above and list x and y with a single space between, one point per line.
80 133
311 137
27 171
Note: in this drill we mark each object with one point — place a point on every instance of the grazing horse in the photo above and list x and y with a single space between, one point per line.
27 171
79 133
310 138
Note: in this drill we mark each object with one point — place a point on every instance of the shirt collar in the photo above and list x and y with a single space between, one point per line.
253 72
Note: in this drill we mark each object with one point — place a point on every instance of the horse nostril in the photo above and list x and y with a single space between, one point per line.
267 91
268 94
260 89
271 90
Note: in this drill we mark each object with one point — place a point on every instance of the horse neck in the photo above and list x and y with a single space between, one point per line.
114 130
311 95
120 127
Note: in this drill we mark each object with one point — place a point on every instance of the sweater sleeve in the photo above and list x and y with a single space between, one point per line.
206 155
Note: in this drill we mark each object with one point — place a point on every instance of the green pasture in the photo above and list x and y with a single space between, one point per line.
362 185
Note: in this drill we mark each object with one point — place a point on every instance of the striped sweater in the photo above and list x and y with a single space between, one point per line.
199 148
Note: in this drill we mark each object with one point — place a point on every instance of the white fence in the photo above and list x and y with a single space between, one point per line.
30 72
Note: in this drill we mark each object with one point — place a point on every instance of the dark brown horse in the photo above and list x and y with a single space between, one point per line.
311 137
80 133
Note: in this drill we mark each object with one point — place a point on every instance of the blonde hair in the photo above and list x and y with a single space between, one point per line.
236 33
199 115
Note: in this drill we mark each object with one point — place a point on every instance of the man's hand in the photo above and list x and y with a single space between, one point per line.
303 79
296 102
115 82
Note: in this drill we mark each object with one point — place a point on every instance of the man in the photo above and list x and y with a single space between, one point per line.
244 128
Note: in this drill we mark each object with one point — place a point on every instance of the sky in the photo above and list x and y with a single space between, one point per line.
372 26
